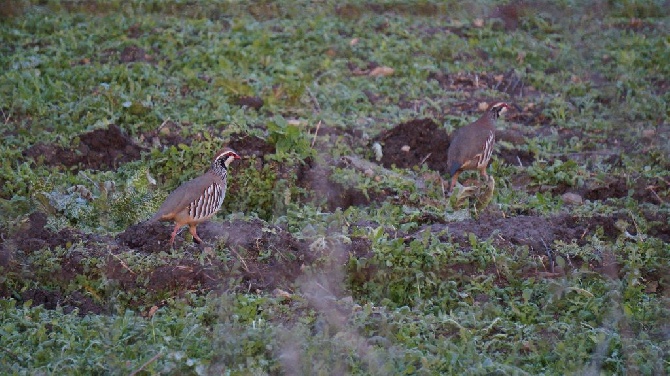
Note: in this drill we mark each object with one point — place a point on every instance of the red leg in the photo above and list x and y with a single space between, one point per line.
196 238
482 172
174 233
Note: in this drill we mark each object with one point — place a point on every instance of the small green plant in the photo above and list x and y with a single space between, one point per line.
135 201
387 284
557 173
289 139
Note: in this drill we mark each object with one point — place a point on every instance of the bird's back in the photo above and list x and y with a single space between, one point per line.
467 142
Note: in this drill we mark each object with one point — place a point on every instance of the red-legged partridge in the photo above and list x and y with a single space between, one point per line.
472 145
199 199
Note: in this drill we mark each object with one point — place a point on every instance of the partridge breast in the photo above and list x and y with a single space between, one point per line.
208 203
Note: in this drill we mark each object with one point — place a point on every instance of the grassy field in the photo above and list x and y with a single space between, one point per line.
337 250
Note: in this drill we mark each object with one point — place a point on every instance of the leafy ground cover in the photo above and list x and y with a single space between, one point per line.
337 250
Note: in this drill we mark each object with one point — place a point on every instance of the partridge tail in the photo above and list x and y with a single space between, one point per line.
156 217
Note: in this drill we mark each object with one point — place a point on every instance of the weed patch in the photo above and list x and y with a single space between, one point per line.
336 250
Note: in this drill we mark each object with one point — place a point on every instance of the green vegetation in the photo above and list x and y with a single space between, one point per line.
339 270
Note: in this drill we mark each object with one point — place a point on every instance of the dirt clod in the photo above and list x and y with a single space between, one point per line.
148 237
133 54
33 235
268 256
427 141
100 149
54 299
252 102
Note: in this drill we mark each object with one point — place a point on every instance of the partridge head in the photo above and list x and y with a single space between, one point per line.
472 145
198 199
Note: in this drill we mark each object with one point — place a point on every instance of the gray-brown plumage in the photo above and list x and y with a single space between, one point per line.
199 199
472 145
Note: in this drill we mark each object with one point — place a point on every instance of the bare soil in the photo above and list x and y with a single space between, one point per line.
413 143
100 149
265 257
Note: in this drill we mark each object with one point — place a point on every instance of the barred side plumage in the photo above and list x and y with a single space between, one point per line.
488 150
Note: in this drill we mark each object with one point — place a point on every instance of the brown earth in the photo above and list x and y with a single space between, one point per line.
466 82
264 257
427 142
539 234
100 149
423 141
